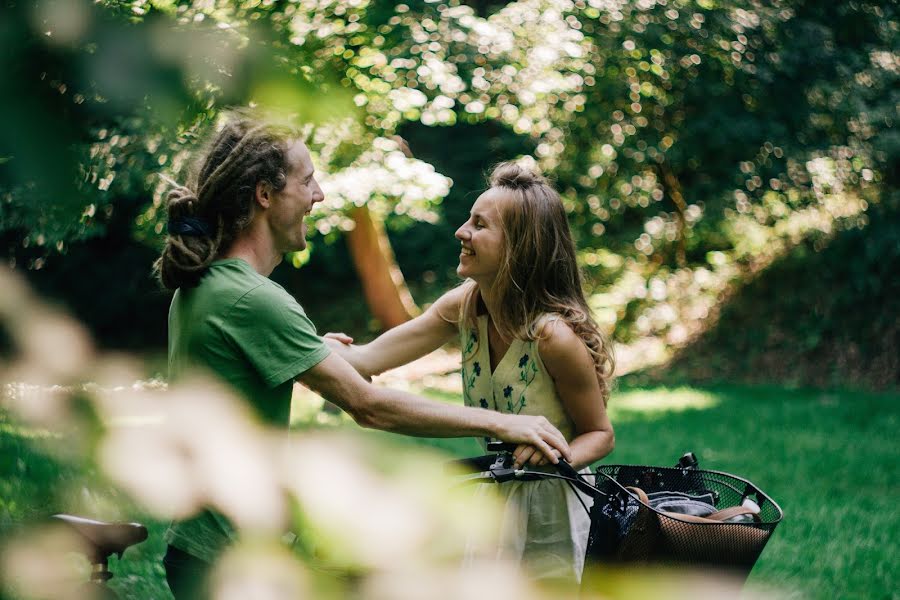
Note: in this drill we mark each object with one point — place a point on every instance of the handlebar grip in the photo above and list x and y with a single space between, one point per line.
496 446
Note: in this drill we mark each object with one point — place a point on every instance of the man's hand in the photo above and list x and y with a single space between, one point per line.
537 432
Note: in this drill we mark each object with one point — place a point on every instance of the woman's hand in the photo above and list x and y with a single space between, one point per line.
342 345
341 337
536 432
525 454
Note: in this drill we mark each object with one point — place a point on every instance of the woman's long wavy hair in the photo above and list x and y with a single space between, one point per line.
538 273
245 151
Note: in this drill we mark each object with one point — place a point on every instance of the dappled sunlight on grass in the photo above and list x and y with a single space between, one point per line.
656 402
796 445
16 430
612 583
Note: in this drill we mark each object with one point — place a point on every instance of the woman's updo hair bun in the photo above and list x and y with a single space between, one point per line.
515 176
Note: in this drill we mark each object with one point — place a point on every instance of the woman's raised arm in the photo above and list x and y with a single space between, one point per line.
404 343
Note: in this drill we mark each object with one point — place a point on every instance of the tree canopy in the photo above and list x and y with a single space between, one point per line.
693 141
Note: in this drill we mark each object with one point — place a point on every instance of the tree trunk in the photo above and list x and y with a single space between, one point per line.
385 290
673 191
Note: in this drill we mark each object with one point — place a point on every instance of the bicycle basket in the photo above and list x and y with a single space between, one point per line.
626 529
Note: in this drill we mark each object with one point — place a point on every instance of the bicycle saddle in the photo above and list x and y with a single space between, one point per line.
104 538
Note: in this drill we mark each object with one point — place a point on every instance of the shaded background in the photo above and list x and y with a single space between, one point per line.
729 169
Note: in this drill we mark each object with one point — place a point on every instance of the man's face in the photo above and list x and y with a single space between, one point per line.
291 205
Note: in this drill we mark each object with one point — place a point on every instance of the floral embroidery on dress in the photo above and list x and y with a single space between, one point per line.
468 385
469 379
515 392
470 344
527 372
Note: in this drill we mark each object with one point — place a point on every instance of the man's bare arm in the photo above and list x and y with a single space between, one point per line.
396 411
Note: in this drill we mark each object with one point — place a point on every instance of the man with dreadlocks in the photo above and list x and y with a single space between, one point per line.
226 234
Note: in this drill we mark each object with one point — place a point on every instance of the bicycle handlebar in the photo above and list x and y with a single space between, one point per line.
498 468
562 466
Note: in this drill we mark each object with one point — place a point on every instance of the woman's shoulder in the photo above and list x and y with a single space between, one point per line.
557 340
449 306
553 328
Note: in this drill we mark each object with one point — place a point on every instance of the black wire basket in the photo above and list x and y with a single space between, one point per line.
625 528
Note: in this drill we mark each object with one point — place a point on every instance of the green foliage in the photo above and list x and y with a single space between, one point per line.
78 106
714 137
694 142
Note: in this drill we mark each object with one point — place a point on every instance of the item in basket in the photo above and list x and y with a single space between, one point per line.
744 517
685 504
675 502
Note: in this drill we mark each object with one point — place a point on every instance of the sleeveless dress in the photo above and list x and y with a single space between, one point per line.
544 527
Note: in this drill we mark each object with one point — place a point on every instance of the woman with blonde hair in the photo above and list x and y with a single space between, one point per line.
529 346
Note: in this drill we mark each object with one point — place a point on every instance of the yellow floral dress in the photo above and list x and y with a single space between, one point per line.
544 526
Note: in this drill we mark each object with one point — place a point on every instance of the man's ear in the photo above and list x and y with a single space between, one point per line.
263 194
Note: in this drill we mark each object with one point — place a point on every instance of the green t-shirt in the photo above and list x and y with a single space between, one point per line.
248 331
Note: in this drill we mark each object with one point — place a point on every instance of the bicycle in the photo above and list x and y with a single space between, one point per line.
652 515
101 540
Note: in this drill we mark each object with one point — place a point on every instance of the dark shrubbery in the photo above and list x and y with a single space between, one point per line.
828 318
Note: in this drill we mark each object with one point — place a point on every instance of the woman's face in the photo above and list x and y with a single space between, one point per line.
482 239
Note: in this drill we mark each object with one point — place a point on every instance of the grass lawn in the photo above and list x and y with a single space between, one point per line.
826 457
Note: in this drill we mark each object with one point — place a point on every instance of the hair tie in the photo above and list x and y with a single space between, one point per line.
189 226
